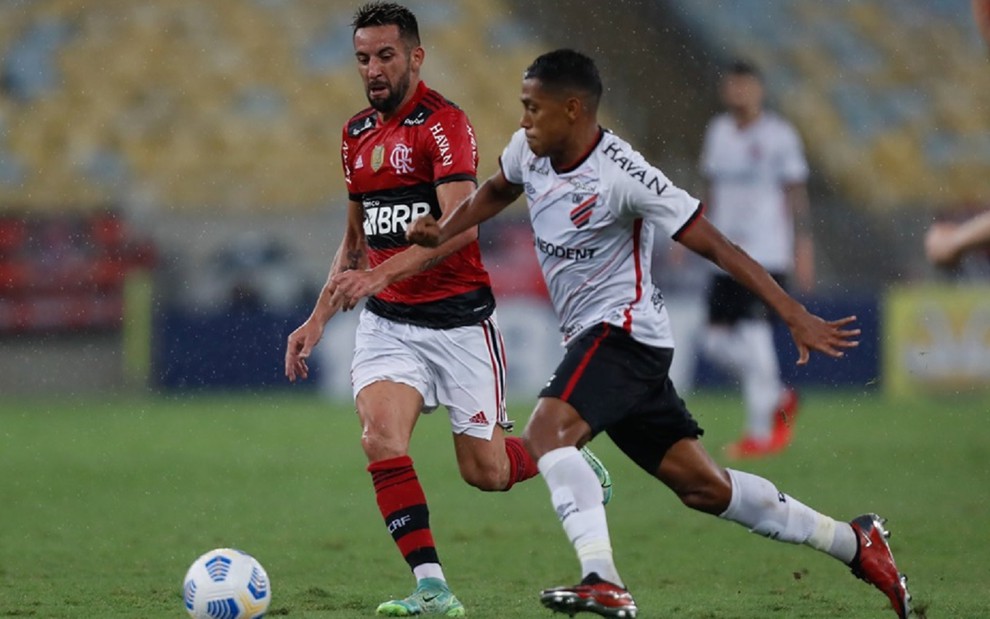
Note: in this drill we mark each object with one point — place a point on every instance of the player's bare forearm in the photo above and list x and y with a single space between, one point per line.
352 254
489 200
810 332
706 240
415 259
973 233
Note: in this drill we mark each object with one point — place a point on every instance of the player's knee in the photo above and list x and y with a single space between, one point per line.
554 425
382 446
488 477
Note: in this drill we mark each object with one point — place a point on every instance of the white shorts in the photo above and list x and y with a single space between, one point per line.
462 368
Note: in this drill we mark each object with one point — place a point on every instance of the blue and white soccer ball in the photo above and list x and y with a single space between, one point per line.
226 584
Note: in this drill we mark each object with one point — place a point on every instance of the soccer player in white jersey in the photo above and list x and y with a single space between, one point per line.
755 173
595 205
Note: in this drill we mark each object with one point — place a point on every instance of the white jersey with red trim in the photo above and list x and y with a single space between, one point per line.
594 225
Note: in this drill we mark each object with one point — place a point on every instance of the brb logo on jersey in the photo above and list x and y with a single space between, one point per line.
401 159
391 218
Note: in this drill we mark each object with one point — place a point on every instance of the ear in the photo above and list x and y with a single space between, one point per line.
416 58
574 107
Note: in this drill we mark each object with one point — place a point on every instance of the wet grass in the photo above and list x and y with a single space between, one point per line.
104 502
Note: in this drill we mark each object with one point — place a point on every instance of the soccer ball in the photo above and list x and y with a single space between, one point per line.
226 584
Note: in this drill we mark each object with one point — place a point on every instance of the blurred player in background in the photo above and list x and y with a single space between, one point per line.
946 242
755 172
595 205
427 335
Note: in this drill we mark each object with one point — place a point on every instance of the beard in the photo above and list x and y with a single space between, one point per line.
395 96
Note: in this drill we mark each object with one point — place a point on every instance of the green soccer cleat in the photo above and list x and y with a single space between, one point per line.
431 597
601 472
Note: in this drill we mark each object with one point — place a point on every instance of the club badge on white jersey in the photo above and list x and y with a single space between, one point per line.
594 225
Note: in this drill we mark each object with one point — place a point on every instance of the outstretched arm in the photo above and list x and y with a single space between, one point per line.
494 195
946 243
809 332
352 254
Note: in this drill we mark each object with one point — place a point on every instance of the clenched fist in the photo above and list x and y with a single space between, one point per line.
424 231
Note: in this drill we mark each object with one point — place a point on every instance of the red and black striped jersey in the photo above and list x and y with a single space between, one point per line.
393 170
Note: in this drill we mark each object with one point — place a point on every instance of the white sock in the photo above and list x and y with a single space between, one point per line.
760 377
428 570
759 506
577 499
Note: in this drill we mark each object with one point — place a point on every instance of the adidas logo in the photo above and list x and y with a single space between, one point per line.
479 418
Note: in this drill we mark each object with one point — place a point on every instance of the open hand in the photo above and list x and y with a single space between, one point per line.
811 332
298 348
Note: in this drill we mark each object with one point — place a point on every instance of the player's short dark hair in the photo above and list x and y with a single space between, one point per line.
380 13
743 68
567 69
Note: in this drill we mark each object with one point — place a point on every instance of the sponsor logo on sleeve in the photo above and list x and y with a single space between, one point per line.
646 175
360 127
443 144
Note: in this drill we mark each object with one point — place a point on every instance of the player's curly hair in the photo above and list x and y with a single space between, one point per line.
380 13
567 69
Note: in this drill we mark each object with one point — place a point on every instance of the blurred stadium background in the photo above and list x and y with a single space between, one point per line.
171 197
170 192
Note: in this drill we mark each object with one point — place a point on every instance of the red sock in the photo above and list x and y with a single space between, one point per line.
403 505
521 464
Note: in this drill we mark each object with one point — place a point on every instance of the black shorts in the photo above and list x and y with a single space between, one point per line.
729 301
621 387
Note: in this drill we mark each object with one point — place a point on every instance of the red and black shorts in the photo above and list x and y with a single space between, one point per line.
621 387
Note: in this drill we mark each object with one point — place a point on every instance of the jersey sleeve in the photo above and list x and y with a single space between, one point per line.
643 191
512 158
346 163
793 166
452 147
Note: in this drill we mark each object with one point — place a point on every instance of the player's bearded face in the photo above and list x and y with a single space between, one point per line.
386 64
385 95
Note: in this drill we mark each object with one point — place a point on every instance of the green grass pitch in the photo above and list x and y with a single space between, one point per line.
104 503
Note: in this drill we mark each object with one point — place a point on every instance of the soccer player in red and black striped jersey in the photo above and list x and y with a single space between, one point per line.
427 335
